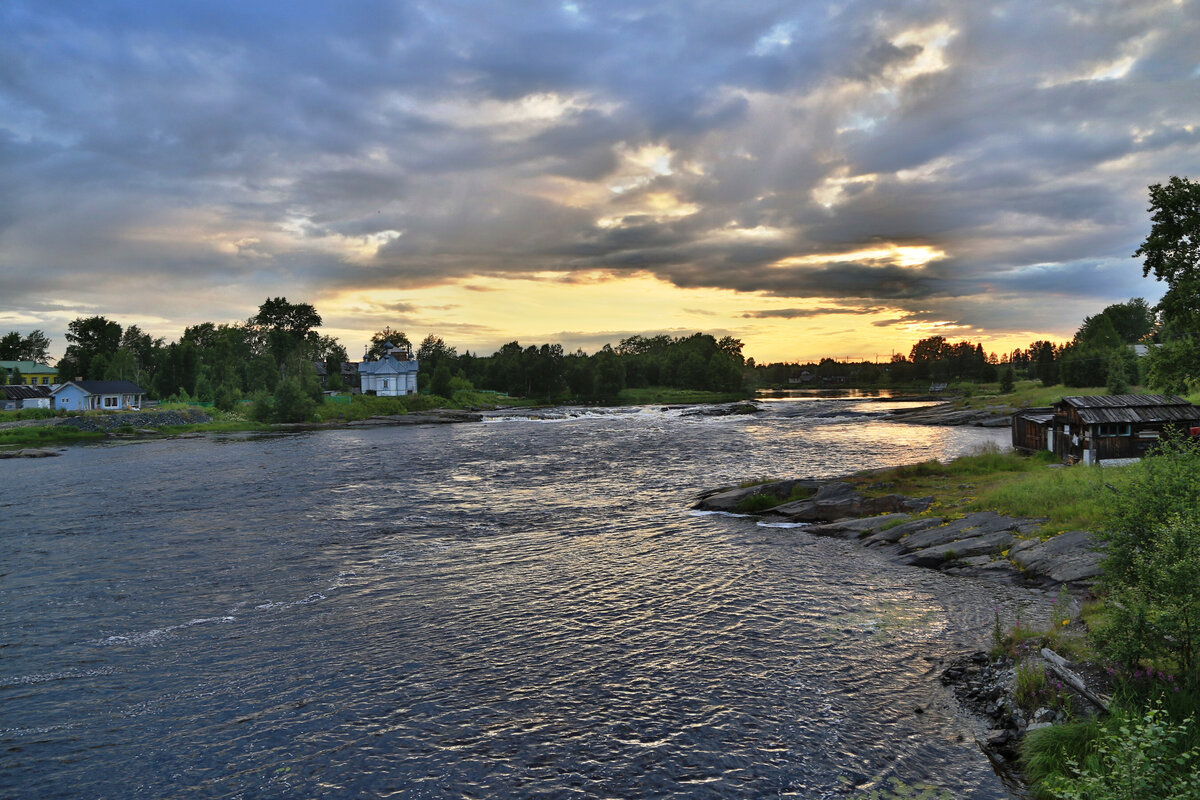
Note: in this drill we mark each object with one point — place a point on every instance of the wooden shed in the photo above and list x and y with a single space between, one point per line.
1104 428
1031 429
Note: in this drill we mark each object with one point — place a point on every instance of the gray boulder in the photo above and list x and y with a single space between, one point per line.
1067 558
893 535
729 499
987 544
977 524
854 528
839 500
29 452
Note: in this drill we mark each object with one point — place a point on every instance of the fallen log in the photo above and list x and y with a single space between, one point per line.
1061 667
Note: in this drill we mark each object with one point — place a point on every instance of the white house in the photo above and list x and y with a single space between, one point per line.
394 374
97 395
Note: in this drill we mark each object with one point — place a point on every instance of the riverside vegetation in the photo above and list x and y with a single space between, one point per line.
1144 629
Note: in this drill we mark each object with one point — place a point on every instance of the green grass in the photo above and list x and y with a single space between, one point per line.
1045 752
1025 394
662 394
1005 482
1066 496
764 500
42 436
29 413
362 406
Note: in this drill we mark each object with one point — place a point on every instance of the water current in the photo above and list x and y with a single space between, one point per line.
516 608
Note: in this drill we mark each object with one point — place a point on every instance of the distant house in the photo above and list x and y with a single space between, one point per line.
32 373
98 395
349 374
15 397
393 375
1103 428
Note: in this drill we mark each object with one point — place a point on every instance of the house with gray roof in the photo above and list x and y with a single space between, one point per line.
1116 427
98 395
393 375
19 396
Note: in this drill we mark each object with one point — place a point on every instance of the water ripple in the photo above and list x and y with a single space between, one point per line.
522 609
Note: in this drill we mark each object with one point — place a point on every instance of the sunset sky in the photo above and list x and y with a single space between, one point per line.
834 178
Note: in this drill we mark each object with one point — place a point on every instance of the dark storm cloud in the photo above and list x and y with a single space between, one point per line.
243 145
801 313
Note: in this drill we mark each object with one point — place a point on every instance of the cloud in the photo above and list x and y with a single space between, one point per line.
802 313
159 156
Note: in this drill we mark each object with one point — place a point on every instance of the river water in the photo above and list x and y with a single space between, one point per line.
518 608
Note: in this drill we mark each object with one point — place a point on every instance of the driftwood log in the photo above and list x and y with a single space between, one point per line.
1062 668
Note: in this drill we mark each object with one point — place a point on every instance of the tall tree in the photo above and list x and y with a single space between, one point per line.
93 341
286 332
10 347
32 347
1172 249
1172 252
378 344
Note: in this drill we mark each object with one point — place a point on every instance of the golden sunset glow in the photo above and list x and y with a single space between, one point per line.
908 256
546 308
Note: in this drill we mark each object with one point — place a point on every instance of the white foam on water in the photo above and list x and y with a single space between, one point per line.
153 635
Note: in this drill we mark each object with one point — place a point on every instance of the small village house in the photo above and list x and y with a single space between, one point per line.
98 395
348 374
1100 429
17 397
393 375
32 373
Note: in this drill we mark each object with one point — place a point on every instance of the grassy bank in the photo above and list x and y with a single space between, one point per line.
44 436
661 395
1006 482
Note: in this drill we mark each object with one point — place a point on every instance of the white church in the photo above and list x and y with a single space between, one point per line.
394 374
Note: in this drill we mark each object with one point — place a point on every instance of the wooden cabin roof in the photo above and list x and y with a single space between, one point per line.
1038 415
1132 408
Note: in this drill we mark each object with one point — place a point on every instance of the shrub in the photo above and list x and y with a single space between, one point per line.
1137 757
1152 564
292 402
260 407
227 399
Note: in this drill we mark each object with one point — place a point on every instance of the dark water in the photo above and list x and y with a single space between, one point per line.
510 609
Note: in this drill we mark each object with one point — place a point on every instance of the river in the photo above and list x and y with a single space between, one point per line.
517 608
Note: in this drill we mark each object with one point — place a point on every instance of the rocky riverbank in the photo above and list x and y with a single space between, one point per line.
981 544
948 414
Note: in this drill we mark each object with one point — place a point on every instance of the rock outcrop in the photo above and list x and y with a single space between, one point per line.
947 414
981 544
29 452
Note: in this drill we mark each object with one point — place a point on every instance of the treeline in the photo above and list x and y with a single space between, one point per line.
1100 354
275 354
699 361
210 362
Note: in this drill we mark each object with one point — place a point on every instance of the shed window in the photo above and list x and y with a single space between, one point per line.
1113 429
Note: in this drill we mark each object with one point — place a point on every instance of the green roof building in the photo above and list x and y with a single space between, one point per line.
32 373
